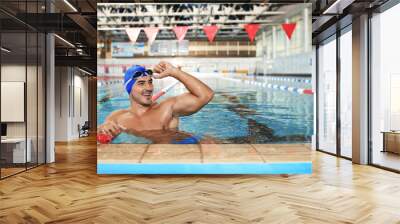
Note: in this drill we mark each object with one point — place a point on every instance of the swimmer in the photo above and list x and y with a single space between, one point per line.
144 114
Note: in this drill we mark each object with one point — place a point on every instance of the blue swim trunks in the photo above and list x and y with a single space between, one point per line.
188 140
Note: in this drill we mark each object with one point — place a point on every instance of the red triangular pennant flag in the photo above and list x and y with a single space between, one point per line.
289 28
151 33
180 32
251 30
133 33
210 31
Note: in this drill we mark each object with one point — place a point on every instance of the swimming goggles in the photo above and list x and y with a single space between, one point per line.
141 74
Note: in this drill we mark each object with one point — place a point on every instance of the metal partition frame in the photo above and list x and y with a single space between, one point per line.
44 75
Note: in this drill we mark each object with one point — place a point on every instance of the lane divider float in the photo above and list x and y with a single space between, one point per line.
288 79
275 86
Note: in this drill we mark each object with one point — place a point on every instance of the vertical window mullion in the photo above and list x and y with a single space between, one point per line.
0 93
317 97
26 86
37 90
338 74
369 90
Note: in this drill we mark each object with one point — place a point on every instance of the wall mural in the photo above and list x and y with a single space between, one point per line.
197 99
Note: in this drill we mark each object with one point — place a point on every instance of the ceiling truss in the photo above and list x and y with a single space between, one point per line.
114 18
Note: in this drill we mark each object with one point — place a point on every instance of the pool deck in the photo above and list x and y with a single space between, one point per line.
204 159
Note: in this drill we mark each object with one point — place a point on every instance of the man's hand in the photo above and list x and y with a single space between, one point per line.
165 69
109 128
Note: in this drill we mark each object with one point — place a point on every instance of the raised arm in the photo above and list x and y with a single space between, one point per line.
188 103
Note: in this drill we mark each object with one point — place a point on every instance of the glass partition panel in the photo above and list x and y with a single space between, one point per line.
14 153
327 96
346 94
22 87
385 90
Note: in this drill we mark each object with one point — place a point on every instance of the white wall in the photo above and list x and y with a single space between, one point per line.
80 103
61 103
33 126
14 73
71 93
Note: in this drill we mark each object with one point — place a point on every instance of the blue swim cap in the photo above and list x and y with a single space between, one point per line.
130 79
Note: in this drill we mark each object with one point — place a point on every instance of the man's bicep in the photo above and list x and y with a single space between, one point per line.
186 104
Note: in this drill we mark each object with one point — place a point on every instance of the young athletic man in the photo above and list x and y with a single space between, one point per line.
152 120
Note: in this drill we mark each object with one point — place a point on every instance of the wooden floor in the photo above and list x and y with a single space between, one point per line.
10 171
70 191
387 159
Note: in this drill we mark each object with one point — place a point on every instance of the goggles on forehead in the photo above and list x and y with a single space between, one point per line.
142 73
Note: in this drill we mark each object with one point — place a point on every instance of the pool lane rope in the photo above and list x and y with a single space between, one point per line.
104 138
282 87
288 88
276 86
288 79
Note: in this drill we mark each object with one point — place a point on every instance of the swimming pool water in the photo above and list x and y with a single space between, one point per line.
239 113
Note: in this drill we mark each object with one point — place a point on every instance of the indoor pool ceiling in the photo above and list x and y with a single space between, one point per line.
230 17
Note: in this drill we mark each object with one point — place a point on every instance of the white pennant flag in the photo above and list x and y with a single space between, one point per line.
133 33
